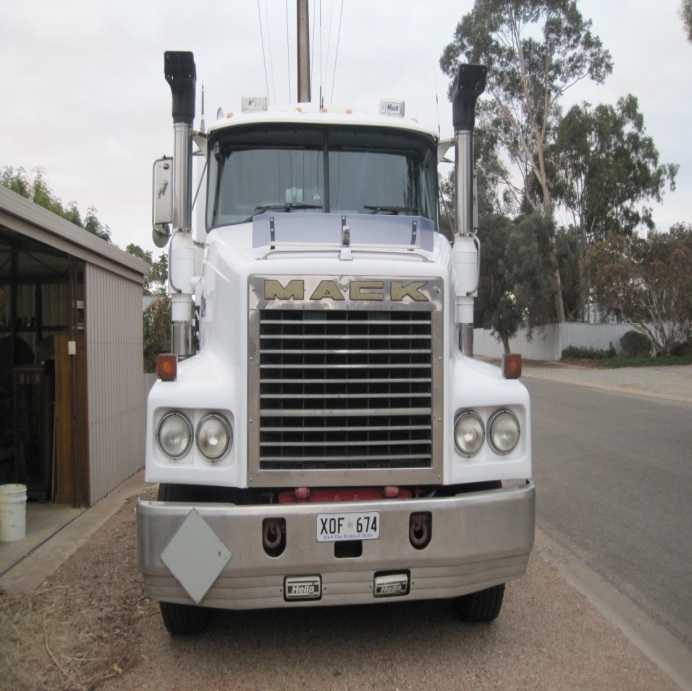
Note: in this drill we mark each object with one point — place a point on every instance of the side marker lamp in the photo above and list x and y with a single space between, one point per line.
166 367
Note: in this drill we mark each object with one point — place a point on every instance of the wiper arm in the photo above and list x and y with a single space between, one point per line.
390 209
288 206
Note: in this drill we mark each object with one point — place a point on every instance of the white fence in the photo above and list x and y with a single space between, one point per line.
548 342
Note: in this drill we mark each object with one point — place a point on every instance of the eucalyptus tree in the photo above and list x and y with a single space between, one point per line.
535 50
607 175
686 14
608 169
38 190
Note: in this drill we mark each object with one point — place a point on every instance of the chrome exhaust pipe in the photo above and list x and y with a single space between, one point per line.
181 74
469 84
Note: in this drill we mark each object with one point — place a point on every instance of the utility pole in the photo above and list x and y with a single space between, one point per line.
303 52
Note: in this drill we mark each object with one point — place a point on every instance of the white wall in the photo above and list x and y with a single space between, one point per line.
547 343
542 346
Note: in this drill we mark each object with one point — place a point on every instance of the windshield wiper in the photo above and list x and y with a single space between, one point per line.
288 206
390 209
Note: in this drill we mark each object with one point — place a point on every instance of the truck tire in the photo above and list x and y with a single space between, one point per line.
182 620
483 606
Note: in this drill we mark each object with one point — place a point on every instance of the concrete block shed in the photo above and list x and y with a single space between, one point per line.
71 372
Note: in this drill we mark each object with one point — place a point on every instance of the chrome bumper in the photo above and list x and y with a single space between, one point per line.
479 539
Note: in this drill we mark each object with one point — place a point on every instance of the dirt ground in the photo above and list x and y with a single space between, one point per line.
89 627
82 626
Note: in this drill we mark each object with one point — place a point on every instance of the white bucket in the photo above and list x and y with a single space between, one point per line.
12 512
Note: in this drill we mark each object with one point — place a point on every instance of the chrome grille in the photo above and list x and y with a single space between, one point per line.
343 389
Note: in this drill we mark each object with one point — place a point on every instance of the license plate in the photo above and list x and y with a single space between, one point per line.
334 527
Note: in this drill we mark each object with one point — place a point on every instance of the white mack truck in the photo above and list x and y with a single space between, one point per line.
319 436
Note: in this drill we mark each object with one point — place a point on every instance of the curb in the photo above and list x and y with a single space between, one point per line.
653 639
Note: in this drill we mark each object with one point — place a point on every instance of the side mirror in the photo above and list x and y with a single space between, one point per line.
161 234
162 200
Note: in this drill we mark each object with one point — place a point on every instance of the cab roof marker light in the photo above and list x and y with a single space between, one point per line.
395 108
253 104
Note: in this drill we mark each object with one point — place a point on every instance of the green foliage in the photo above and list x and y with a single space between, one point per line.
38 191
489 173
635 344
583 353
157 330
496 307
648 282
535 51
515 286
686 14
528 253
607 169
93 225
155 282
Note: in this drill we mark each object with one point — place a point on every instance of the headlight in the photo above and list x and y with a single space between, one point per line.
175 434
503 431
469 433
214 436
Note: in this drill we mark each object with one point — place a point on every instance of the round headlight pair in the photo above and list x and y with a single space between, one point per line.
214 435
469 432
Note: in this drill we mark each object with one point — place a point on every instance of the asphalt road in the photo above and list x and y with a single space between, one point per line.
614 478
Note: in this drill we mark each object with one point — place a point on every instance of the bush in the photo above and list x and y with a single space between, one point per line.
635 344
682 349
581 353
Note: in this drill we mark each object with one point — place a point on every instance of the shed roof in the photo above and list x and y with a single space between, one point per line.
22 216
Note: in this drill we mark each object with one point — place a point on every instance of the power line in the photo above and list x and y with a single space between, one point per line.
312 44
288 55
336 54
269 50
328 25
264 55
321 46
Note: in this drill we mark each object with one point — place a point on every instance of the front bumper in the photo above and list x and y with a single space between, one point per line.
479 539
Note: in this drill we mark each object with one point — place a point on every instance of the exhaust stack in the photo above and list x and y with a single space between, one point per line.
469 84
181 75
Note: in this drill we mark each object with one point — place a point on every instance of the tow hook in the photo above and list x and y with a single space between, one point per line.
420 529
274 536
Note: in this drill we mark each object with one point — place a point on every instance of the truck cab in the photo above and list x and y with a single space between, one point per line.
319 437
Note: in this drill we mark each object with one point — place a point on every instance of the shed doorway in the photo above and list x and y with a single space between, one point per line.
43 388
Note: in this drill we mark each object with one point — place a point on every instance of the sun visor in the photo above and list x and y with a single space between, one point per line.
309 228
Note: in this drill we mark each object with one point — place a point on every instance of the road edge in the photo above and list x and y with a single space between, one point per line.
654 640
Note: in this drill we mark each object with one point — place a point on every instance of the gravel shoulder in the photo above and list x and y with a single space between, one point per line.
89 627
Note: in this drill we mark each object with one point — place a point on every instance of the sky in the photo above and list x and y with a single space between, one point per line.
83 97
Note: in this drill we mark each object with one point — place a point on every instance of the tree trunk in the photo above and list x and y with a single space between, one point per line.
557 279
552 244
505 344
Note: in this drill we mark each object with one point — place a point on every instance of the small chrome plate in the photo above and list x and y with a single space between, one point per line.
391 584
303 588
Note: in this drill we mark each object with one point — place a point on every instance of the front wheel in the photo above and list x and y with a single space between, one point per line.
483 606
182 620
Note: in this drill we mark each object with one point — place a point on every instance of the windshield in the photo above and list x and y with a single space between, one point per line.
340 170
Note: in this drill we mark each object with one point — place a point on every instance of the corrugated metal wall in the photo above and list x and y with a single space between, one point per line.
115 379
